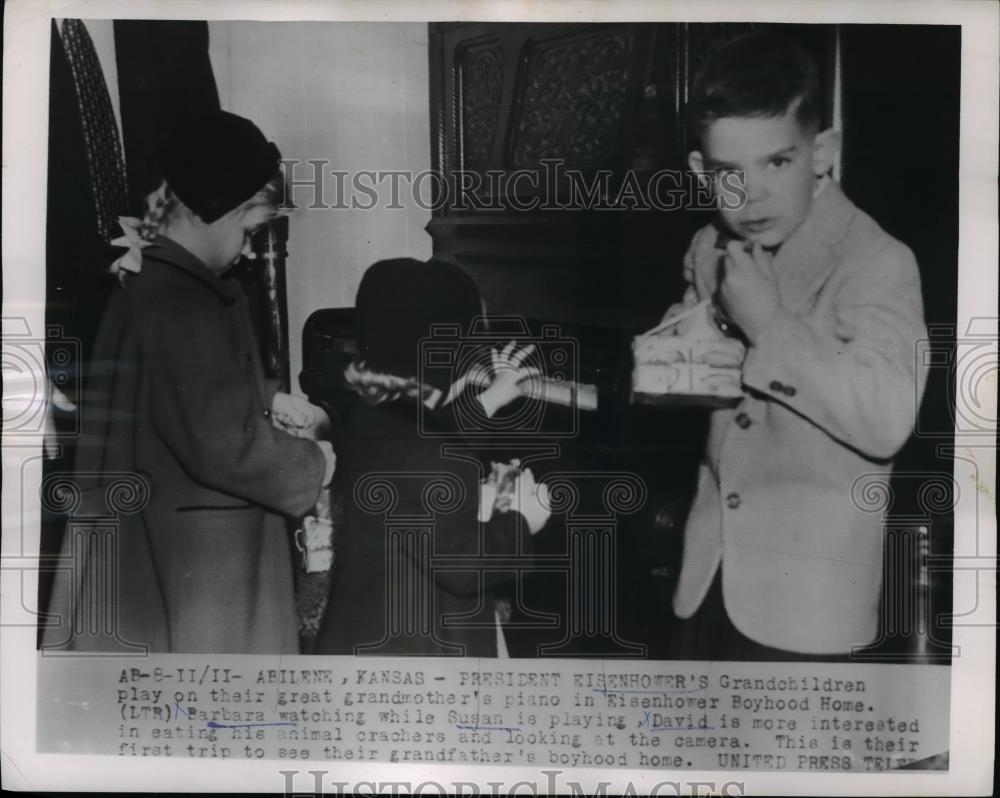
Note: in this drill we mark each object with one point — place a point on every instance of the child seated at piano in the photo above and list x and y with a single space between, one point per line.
777 556
410 568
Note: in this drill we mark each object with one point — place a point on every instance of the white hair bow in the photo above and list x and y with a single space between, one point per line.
131 260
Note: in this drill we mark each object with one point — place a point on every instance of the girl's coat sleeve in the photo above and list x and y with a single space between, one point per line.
209 408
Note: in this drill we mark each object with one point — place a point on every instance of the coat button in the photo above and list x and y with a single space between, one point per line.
733 501
743 420
789 390
777 386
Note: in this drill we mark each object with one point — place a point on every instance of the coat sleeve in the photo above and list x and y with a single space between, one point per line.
205 409
851 369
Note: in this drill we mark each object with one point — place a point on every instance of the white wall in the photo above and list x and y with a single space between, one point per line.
355 94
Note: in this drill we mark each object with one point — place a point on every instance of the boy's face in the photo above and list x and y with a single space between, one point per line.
779 160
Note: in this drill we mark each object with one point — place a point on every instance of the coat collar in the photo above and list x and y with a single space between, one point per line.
166 250
805 260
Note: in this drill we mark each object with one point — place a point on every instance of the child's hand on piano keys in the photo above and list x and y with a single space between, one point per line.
496 491
504 475
487 500
531 500
509 374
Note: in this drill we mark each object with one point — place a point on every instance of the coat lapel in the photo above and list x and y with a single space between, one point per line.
806 259
169 252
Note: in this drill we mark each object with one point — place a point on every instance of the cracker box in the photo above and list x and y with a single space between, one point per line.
688 360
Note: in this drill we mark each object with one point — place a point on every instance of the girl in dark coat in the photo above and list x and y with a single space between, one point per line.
177 403
420 552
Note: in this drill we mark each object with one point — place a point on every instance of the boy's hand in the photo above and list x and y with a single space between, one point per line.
748 292
674 310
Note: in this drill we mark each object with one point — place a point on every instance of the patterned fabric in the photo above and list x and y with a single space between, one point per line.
100 131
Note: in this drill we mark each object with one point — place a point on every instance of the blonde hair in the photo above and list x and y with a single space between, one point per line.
163 205
376 387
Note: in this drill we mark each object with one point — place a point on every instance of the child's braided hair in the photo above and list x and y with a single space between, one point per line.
160 205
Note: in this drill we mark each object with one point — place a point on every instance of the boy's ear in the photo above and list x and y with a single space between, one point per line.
825 148
696 163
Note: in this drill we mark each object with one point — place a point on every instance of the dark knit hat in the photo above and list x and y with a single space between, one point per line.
399 301
217 161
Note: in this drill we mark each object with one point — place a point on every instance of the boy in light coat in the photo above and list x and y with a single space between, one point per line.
782 549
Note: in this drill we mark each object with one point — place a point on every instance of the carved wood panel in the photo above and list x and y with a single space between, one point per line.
480 77
572 99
